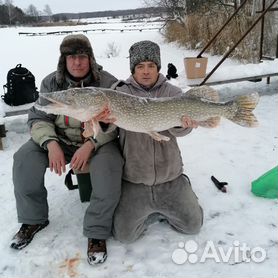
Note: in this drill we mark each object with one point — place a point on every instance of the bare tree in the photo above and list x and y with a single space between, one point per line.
176 9
9 4
194 5
229 3
48 11
32 11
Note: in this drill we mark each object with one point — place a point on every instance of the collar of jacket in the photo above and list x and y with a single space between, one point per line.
87 81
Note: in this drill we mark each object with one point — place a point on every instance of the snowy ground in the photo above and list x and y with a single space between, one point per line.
234 154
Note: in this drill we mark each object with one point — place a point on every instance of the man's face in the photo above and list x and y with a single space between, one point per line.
78 65
146 74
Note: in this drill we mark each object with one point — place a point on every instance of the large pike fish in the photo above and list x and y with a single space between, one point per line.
150 115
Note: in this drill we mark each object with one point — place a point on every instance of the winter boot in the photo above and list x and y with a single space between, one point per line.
25 235
97 252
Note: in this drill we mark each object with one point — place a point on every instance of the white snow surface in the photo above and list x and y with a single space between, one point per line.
231 153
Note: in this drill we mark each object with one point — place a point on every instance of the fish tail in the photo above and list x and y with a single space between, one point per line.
245 105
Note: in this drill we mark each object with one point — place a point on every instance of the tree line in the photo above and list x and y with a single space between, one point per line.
13 15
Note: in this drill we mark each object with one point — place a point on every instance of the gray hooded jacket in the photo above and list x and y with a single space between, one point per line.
45 127
148 161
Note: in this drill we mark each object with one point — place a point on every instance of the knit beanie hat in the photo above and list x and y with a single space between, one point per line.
71 45
144 51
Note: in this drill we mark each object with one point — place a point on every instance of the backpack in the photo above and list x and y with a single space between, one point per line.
20 88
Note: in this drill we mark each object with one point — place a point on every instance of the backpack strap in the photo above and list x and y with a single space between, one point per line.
4 89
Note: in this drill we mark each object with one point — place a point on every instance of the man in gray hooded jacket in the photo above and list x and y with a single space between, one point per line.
56 141
153 179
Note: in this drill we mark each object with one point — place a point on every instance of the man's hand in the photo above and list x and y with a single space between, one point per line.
105 116
56 158
82 156
187 122
92 126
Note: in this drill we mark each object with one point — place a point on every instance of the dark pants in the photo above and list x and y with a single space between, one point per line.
30 164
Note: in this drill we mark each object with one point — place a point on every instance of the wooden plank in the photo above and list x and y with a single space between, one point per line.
234 80
16 112
247 78
86 31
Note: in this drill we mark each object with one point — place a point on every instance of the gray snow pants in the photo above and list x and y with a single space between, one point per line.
30 164
174 200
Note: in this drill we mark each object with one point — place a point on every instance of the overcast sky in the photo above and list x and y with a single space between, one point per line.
61 6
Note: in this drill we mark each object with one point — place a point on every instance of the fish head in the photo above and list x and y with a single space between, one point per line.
79 103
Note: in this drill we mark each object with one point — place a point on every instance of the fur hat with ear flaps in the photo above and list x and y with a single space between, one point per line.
75 44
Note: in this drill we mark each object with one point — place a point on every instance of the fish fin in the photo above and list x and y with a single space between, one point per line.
87 134
244 116
210 123
96 127
158 137
203 92
91 128
88 129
